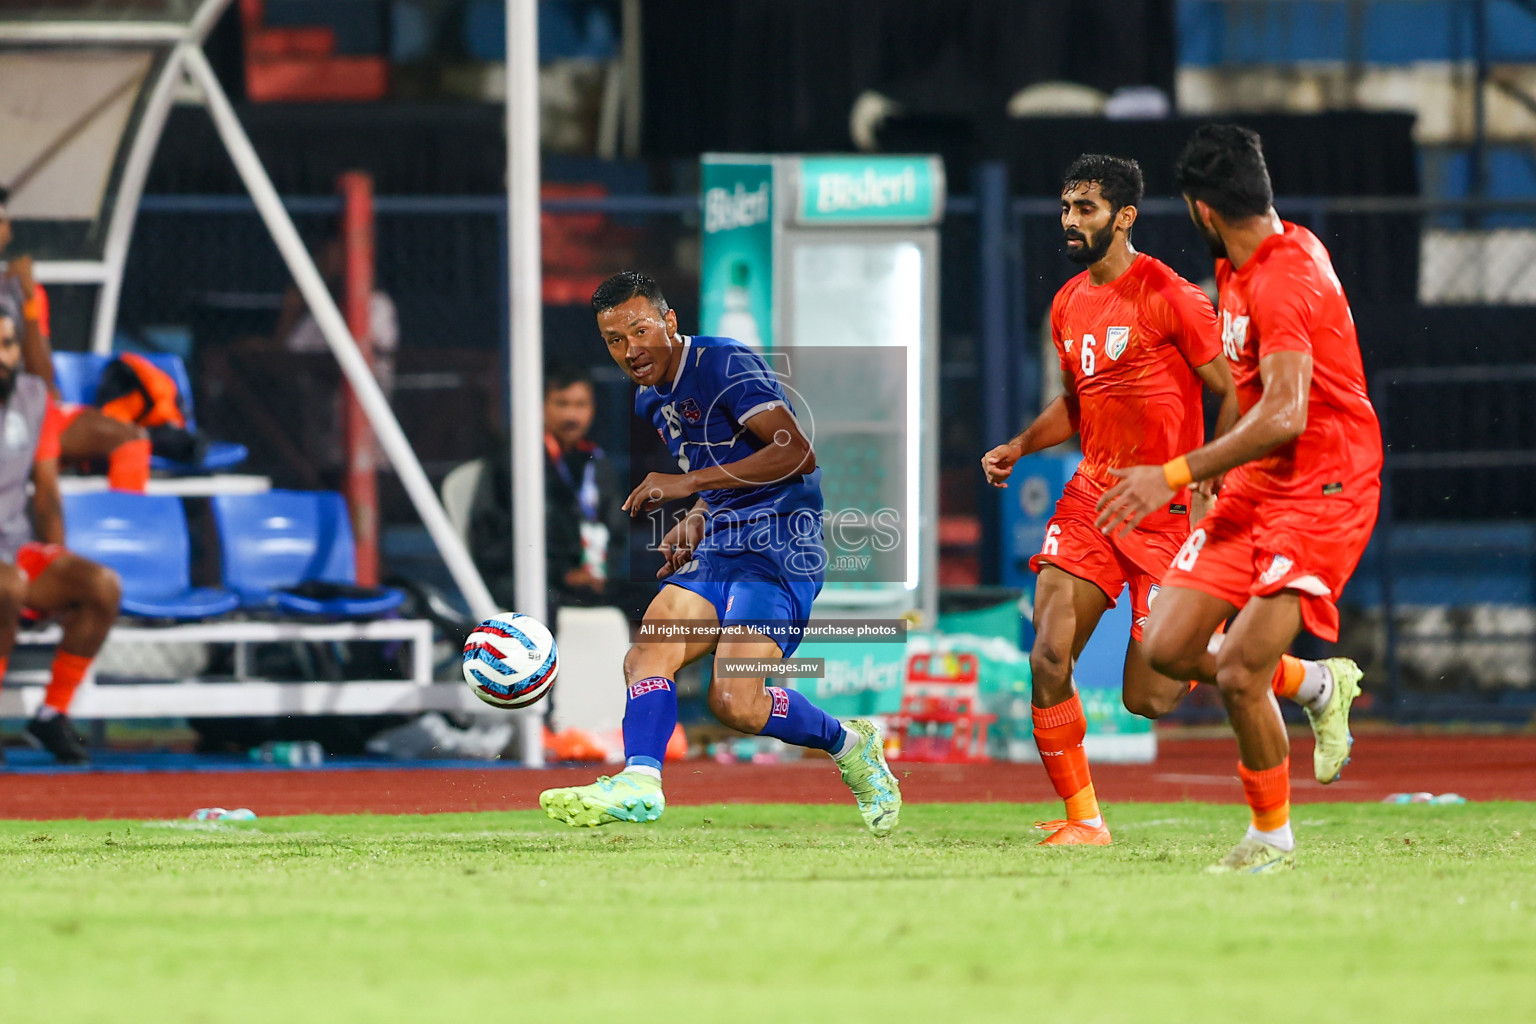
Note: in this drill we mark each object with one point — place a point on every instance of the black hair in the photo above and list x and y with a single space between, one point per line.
625 285
1119 179
5 196
563 375
1223 166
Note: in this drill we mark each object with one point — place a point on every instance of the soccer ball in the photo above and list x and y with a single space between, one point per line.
510 660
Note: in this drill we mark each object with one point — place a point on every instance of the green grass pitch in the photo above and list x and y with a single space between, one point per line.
776 913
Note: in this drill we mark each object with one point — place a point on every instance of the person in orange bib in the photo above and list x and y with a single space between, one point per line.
1302 484
1136 342
39 578
85 434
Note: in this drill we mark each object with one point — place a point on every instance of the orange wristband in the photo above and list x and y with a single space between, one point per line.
1176 472
32 309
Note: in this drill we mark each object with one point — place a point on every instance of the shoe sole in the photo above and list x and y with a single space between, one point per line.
573 810
1050 841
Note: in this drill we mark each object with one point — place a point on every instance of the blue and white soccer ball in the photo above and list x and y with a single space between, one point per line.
510 660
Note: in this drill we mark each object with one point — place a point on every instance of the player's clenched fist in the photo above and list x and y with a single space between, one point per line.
999 462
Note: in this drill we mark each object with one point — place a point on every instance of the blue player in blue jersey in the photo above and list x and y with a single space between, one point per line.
741 568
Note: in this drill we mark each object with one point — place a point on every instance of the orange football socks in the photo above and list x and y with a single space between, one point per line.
68 671
128 466
1288 676
1269 795
1059 734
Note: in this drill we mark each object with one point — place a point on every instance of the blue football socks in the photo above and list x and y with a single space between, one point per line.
650 718
794 719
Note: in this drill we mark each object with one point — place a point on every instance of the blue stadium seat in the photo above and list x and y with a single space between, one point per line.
144 538
281 539
76 375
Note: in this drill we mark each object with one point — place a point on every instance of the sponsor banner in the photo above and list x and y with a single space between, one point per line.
736 275
870 190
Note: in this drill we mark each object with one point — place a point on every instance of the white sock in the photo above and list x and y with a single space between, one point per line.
1097 821
850 742
47 713
1280 838
643 769
1316 688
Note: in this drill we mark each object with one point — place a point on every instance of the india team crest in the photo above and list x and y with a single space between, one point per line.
1116 340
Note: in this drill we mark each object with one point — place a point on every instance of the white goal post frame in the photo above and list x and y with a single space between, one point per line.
186 61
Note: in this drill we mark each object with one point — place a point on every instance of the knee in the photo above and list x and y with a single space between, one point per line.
733 709
1050 662
644 660
1236 677
105 590
637 661
1149 705
1168 655
13 590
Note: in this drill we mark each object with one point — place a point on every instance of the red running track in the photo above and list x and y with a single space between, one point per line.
1477 767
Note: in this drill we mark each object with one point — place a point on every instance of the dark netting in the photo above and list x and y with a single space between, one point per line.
207 269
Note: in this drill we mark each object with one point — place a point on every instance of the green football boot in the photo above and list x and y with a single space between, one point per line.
627 796
866 773
1330 726
1253 857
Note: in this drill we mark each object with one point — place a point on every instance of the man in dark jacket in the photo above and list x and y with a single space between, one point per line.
585 529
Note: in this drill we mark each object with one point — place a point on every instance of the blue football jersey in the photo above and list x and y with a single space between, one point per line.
702 413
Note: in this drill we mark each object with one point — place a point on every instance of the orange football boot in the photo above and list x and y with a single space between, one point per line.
1073 833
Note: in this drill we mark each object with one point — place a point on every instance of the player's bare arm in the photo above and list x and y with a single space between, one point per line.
677 546
36 353
47 506
1056 423
1278 417
786 452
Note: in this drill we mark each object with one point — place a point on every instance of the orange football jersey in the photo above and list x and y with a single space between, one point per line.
1287 298
1130 348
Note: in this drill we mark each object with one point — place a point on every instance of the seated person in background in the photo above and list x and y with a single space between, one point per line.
584 523
88 435
39 579
297 330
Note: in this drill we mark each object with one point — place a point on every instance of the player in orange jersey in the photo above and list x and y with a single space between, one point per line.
1135 342
1302 479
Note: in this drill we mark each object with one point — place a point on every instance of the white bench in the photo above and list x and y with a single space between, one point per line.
244 695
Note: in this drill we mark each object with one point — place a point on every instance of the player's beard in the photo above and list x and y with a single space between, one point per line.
1093 248
7 384
1212 240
